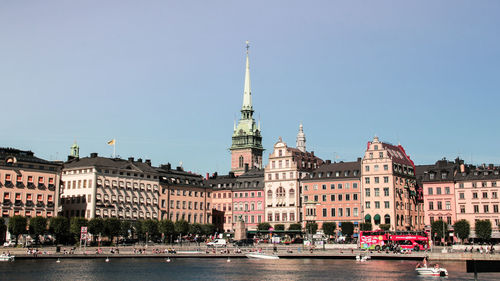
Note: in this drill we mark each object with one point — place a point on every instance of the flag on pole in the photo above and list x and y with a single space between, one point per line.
111 142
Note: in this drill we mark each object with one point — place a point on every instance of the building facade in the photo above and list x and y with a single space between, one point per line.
282 179
246 149
183 196
248 198
110 187
390 193
29 185
332 193
222 199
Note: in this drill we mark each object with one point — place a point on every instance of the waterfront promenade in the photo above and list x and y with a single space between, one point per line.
193 251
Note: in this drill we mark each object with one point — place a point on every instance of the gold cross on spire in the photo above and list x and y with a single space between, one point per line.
248 45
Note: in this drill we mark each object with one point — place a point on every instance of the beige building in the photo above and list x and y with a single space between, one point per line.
389 191
110 187
282 181
28 184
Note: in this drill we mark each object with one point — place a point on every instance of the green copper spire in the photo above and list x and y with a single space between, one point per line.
246 133
75 150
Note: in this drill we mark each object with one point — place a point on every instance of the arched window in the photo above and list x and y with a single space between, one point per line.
292 193
246 206
368 218
397 220
280 192
252 206
259 205
241 206
376 219
387 219
241 161
269 194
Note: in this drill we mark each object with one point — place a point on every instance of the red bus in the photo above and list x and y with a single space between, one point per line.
382 240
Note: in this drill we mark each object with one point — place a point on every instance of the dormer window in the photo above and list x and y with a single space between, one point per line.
346 173
320 175
431 176
337 174
443 175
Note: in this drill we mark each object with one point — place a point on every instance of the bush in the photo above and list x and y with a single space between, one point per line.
311 227
295 226
385 227
329 228
279 227
263 226
347 228
365 226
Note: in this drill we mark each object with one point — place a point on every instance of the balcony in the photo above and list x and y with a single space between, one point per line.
41 186
52 187
29 203
40 204
31 185
7 202
50 204
9 184
20 184
18 203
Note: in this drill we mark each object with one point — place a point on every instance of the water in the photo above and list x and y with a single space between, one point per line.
220 269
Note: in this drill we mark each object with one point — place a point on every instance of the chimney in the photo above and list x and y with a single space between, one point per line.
148 161
312 153
207 176
462 168
93 155
179 168
231 174
246 167
359 159
131 159
328 161
139 160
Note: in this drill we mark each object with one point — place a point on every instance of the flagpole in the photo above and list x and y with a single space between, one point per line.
114 148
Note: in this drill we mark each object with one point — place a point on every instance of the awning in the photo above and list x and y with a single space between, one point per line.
376 217
368 218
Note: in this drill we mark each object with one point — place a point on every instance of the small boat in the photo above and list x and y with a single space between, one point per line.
58 260
107 259
361 258
5 257
168 259
261 256
432 271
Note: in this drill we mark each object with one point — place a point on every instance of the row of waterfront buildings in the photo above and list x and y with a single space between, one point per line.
383 186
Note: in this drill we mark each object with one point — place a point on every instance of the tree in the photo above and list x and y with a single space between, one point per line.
208 229
295 226
196 228
462 229
263 226
96 227
138 230
279 227
439 229
167 228
347 228
112 227
150 227
181 227
311 227
365 226
483 229
59 227
37 227
3 229
329 228
385 227
75 226
17 226
125 226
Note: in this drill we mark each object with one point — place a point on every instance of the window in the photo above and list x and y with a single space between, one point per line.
315 187
461 185
429 191
347 212
367 192
332 186
324 212
324 198
448 205
476 208
485 194
340 212
431 205
376 180
332 197
386 204
386 191
474 195
438 190
462 209
494 195
377 204
380 155
495 208
367 205
315 198
354 185
367 180
323 186
355 197
347 197
377 191
339 197
332 212
367 168
448 220
486 208
461 195
339 186
386 167
440 205
375 167
447 190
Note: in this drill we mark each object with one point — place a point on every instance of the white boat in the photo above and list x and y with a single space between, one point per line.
4 257
432 271
361 258
261 256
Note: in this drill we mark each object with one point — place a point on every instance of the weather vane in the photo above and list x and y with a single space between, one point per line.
248 45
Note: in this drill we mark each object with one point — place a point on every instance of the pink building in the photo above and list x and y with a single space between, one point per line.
248 198
332 193
222 200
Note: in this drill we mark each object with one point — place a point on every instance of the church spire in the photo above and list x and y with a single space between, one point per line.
301 139
247 93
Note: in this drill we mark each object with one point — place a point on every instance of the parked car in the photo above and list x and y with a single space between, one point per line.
298 240
9 244
217 243
244 242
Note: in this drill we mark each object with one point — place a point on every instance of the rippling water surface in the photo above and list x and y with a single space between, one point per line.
220 269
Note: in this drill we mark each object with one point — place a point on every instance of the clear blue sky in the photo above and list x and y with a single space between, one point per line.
165 78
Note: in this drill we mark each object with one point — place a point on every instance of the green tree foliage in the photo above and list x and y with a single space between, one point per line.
125 226
462 229
279 227
17 226
112 227
295 226
437 228
263 226
59 227
329 228
75 226
483 229
347 228
138 230
3 229
365 226
311 227
37 227
208 229
167 228
385 227
181 227
196 228
150 227
96 227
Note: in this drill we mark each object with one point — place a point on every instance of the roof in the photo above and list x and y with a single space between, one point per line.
251 180
114 163
21 156
336 171
398 154
179 177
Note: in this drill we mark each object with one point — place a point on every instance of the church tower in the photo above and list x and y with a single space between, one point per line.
246 149
301 139
75 151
